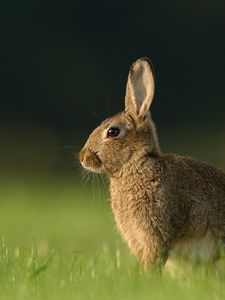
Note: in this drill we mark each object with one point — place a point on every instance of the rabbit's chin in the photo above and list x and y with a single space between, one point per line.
92 169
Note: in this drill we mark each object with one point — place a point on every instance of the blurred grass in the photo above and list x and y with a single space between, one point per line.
54 210
58 241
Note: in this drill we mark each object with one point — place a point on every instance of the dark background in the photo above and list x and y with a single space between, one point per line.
64 66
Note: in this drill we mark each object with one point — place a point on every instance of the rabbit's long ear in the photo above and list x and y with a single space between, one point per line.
140 88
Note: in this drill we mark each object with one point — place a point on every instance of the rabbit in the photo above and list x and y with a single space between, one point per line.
162 203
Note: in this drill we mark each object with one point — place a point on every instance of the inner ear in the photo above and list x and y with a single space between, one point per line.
140 83
140 87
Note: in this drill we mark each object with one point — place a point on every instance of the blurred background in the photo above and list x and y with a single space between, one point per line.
64 67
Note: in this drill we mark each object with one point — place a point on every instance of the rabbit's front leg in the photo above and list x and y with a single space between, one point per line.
154 255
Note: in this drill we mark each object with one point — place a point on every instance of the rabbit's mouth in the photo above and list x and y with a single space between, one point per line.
91 162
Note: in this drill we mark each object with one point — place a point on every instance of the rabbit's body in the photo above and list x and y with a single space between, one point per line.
168 212
161 203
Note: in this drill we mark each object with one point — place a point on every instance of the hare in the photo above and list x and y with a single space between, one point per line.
161 202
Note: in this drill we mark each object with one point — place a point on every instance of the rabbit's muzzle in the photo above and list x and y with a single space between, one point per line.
90 160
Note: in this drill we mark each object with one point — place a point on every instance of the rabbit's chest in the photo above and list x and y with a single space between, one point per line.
135 209
130 227
132 219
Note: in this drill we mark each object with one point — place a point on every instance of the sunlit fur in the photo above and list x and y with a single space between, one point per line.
161 203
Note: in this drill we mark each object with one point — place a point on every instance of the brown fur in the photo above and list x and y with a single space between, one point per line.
161 203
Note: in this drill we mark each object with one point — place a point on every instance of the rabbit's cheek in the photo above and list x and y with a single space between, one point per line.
114 162
125 155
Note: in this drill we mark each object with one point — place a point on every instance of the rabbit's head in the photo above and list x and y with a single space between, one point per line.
127 136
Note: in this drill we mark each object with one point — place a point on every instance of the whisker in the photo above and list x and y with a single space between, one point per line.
107 105
68 147
85 175
97 116
93 187
65 147
103 181
99 186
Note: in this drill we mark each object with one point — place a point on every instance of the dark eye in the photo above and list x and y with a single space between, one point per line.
113 132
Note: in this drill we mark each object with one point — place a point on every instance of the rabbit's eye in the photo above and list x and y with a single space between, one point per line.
113 132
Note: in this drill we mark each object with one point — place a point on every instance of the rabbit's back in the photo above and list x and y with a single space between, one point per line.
203 188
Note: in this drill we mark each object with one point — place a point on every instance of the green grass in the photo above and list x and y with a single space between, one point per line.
58 241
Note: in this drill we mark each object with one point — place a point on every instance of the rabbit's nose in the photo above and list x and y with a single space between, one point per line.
81 155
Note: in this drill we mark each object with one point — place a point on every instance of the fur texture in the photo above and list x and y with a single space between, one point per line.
161 203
